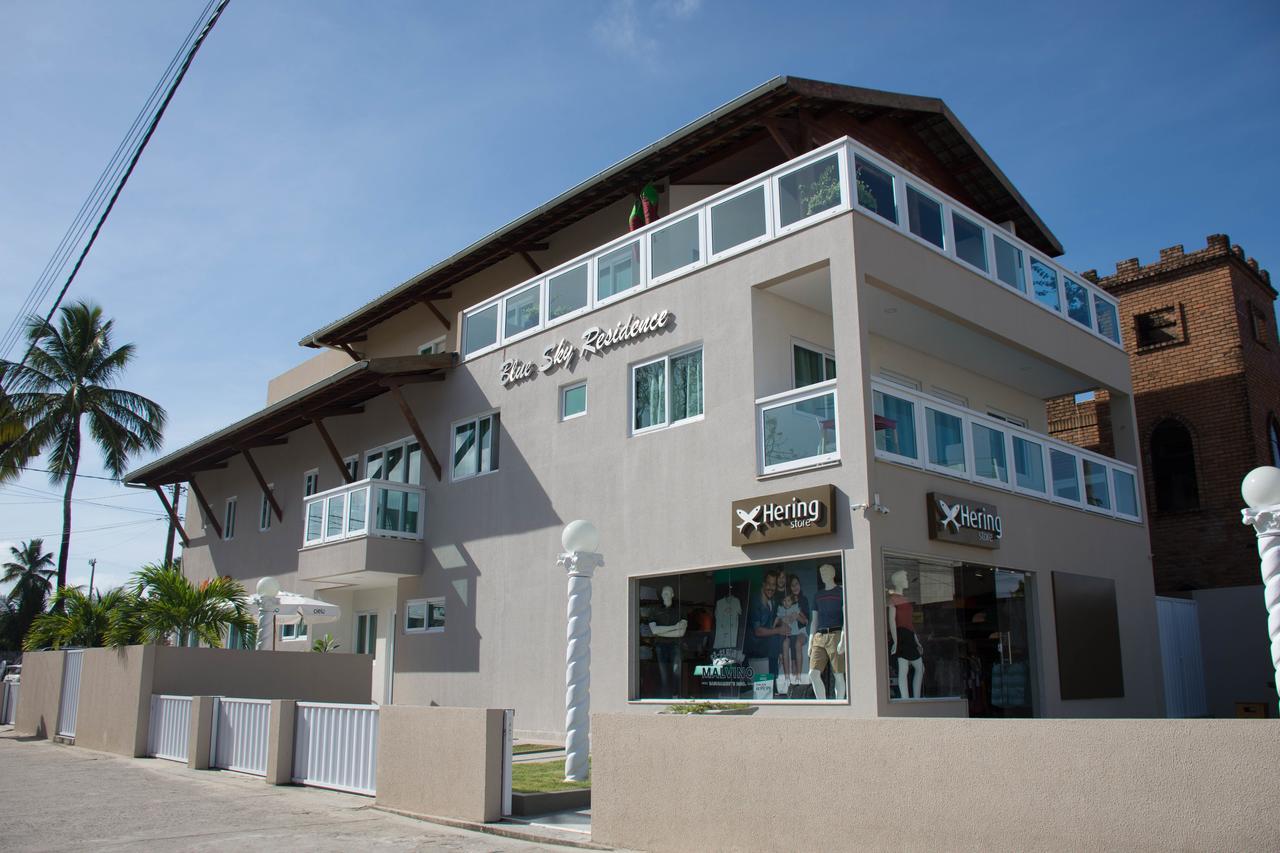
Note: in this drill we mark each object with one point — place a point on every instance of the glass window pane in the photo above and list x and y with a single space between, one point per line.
674 247
337 506
1126 492
1028 464
1009 265
567 292
412 506
373 466
415 617
1077 302
315 519
435 614
574 402
1096 490
649 395
464 449
971 246
413 464
686 386
1108 325
1044 284
480 329
946 439
1066 483
390 509
522 310
829 364
738 220
618 271
875 190
924 217
356 508
807 366
809 190
489 443
895 425
395 465
800 430
988 454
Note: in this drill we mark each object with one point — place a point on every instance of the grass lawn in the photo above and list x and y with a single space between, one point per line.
541 777
522 748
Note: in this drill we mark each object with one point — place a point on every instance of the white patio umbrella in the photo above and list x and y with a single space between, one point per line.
288 608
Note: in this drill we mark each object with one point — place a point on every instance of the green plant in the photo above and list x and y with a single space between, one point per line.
68 378
29 572
167 603
704 707
324 644
822 193
79 619
541 777
866 198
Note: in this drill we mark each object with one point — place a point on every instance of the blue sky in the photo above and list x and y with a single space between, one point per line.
321 152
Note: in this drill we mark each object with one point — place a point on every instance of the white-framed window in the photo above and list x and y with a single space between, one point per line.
229 519
676 247
366 633
810 364
951 397
352 464
475 446
924 217
900 379
809 190
573 401
740 221
424 616
667 391
435 347
293 631
617 272
264 509
311 482
400 462
1006 417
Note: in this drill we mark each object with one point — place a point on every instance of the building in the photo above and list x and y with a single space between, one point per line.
820 371
1200 330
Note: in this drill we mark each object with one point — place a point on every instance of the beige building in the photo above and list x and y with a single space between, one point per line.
803 404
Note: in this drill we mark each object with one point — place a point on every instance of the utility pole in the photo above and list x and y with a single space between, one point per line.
168 543
93 567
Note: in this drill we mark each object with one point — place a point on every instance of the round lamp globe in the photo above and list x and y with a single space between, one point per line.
1261 487
582 536
268 587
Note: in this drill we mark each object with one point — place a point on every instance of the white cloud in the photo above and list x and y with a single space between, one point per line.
623 28
680 9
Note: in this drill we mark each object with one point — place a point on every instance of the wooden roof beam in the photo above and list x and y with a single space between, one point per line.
262 482
204 505
417 430
173 516
333 450
444 321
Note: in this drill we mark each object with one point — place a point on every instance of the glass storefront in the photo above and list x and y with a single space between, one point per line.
959 630
747 633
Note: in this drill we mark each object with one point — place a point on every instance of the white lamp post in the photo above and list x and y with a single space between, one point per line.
1261 491
268 607
580 560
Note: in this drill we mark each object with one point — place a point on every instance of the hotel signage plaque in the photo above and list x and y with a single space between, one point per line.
784 515
964 521
596 340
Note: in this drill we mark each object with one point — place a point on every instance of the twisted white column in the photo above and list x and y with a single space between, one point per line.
268 607
1266 521
581 566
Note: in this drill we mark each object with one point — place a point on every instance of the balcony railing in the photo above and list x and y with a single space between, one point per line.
798 429
364 508
787 198
927 432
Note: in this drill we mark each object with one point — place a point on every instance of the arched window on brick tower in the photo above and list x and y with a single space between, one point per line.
1173 467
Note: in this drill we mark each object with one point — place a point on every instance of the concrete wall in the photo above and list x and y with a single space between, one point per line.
1235 649
115 699
261 675
41 692
443 762
689 783
311 371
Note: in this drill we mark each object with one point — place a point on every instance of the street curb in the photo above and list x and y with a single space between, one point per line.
504 830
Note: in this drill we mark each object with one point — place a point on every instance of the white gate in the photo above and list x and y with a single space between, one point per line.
336 746
70 703
1184 694
240 735
9 705
168 734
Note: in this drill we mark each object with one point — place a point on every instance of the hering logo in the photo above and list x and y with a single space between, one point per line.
798 513
961 515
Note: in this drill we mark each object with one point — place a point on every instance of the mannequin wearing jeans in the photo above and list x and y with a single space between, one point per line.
667 628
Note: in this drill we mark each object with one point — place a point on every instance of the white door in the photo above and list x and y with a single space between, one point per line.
367 643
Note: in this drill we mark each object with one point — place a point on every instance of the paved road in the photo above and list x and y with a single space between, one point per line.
64 798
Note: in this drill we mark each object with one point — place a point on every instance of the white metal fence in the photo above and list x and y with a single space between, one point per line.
169 730
240 729
336 746
70 703
9 702
1184 694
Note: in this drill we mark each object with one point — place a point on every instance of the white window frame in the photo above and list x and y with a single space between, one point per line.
498 326
702 247
298 632
754 241
1045 473
475 419
986 241
1049 483
371 641
310 478
641 242
429 348
587 307
947 242
427 627
1007 417
1137 495
1058 275
542 310
352 464
229 519
264 510
665 359
565 389
945 408
775 209
916 412
958 400
972 452
1106 479
402 443
813 348
900 379
786 398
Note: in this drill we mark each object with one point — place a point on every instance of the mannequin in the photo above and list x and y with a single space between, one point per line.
827 641
667 628
903 642
728 620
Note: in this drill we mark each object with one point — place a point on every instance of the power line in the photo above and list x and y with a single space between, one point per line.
133 162
78 475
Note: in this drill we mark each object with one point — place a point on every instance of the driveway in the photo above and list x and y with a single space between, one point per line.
61 798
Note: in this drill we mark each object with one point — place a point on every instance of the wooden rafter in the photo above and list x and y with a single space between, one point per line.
416 428
349 351
333 450
173 516
444 321
788 149
262 482
204 505
533 265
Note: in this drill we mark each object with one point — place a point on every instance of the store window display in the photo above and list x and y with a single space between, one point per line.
744 633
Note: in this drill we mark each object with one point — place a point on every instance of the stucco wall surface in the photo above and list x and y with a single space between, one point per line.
707 783
262 674
115 700
445 762
41 692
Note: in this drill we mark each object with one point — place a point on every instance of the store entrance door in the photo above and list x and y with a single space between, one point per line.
994 625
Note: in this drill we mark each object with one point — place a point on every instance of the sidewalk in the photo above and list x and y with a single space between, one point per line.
67 798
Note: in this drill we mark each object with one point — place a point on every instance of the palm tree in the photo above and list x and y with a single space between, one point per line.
68 378
10 430
29 572
78 619
166 604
